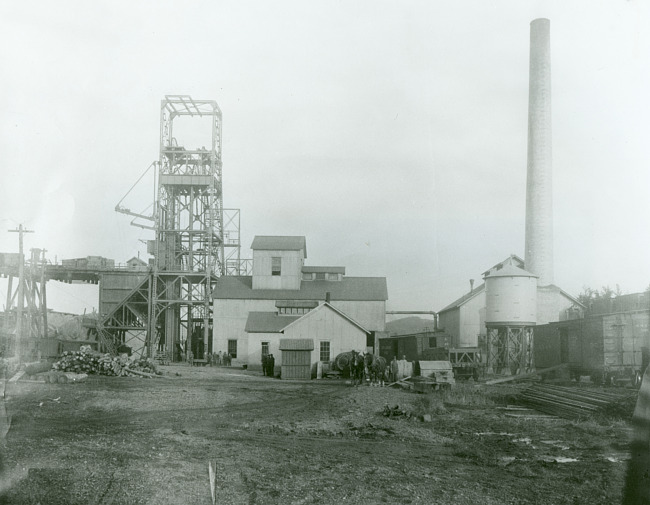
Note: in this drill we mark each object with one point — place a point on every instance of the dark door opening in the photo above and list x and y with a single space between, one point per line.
564 345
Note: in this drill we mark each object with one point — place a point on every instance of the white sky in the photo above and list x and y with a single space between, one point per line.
391 134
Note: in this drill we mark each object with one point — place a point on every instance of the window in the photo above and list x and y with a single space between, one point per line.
308 276
293 311
320 276
265 348
232 348
324 351
276 263
332 277
432 342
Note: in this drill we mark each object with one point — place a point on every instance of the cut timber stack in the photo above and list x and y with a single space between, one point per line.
571 403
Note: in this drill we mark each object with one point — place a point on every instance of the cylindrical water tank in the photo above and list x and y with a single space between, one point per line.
510 297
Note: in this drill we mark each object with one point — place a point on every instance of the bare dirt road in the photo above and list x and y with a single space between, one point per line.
134 441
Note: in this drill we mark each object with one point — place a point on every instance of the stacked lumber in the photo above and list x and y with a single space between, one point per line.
571 403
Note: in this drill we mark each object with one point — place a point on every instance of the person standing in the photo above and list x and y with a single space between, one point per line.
394 369
271 365
265 363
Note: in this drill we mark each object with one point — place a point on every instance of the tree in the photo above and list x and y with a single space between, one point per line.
606 292
588 294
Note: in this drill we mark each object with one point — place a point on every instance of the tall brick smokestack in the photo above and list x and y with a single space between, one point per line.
539 191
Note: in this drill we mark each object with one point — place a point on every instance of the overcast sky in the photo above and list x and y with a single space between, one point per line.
391 134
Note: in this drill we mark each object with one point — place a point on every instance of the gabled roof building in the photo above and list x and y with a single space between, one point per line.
465 318
284 298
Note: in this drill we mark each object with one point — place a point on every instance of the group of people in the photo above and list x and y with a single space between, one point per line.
219 359
268 365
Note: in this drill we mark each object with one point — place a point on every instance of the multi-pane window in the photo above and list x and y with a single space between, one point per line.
332 277
324 351
232 348
293 311
276 264
265 348
321 276
307 276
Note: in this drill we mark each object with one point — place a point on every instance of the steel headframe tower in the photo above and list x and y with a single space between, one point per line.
189 248
196 241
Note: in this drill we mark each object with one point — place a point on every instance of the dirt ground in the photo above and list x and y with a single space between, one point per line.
134 441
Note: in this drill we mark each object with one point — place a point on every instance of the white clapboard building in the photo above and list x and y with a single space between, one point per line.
319 307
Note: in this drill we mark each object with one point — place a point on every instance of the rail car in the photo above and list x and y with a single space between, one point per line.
612 349
89 262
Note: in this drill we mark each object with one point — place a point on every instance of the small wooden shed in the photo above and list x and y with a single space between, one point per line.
296 357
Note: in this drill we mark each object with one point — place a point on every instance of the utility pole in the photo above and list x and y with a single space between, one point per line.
43 293
21 288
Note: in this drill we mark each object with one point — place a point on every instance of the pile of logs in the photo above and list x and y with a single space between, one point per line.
86 361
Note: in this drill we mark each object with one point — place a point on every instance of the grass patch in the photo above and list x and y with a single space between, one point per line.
428 404
469 395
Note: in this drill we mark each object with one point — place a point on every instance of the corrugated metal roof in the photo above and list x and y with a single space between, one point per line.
319 270
296 344
279 243
466 297
267 322
348 289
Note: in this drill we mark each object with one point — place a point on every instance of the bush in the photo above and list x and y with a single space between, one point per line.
428 404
